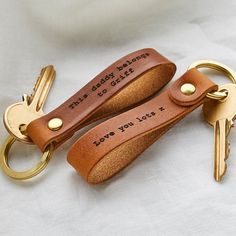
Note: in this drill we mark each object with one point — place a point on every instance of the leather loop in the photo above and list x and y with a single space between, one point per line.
185 100
122 85
109 147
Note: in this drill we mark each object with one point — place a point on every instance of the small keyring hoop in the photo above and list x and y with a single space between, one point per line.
217 95
4 157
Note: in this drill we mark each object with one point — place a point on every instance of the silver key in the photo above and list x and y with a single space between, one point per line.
221 114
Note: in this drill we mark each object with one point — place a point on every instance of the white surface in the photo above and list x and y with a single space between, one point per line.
168 190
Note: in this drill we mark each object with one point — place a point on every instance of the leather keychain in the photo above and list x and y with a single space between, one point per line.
112 145
121 86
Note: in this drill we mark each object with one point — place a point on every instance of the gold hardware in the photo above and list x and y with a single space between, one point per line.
188 89
221 148
221 114
20 114
55 124
217 95
4 157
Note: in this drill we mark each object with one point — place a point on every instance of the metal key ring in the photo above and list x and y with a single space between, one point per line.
4 157
217 95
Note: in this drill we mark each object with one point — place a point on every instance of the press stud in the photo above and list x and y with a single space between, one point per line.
55 124
188 89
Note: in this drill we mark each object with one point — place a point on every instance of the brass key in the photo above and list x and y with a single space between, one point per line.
221 114
20 114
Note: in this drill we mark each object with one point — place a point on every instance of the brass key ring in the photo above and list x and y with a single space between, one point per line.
46 157
217 95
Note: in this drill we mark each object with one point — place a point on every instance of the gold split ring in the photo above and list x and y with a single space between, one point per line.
217 95
4 161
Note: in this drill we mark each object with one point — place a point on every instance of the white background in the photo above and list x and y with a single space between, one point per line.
169 189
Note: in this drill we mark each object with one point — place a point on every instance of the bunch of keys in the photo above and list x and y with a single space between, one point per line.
219 112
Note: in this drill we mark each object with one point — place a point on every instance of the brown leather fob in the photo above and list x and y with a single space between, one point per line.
122 85
112 145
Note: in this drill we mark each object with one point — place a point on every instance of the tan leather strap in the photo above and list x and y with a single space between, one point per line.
109 147
122 85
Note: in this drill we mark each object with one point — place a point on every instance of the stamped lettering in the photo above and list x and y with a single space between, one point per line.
78 101
145 117
111 79
104 138
124 128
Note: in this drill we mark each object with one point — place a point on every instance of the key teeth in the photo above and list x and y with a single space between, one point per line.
51 70
227 150
229 125
232 123
224 170
219 176
26 98
47 76
34 89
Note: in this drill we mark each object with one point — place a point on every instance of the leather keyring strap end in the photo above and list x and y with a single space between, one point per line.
112 145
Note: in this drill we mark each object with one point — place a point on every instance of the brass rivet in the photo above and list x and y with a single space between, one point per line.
188 89
55 124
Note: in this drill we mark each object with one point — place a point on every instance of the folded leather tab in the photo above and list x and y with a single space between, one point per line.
122 85
109 147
